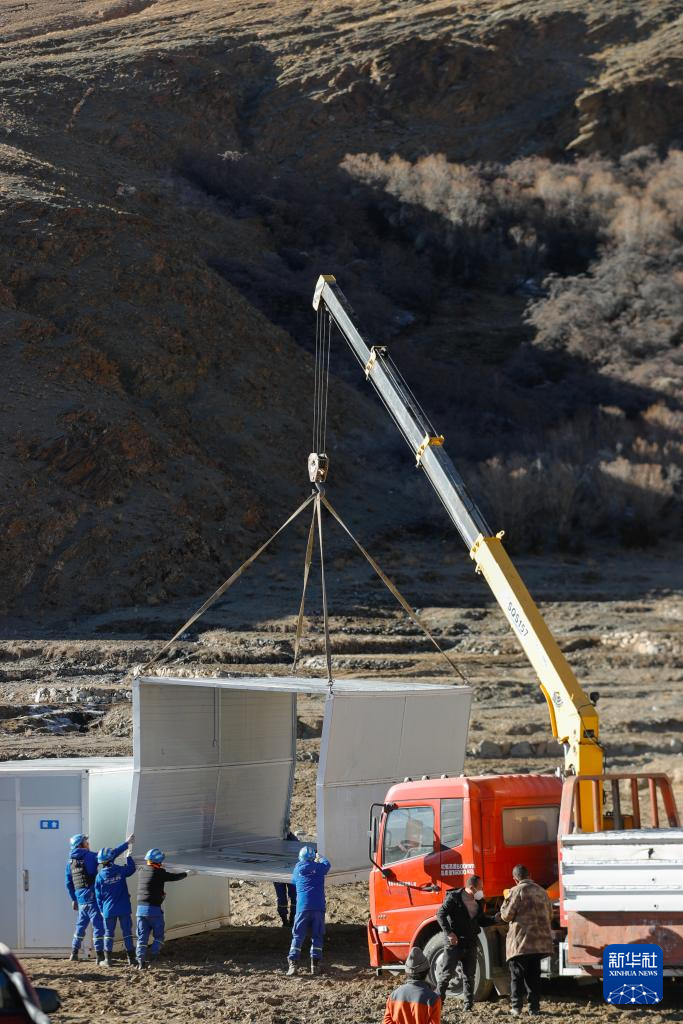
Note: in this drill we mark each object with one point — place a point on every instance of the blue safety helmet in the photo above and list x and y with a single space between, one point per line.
105 855
307 853
76 841
156 856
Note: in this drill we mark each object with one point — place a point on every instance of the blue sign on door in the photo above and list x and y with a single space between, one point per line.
49 823
632 973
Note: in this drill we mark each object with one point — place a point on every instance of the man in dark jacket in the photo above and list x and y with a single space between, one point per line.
151 894
461 917
81 871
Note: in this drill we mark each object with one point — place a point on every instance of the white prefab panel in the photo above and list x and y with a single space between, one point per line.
434 736
371 741
178 726
47 790
108 802
343 814
255 726
48 919
361 737
195 904
370 737
251 803
175 809
9 918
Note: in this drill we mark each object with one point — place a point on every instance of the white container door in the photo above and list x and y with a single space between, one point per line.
45 850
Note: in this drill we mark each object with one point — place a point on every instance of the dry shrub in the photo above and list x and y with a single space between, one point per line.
607 236
628 306
602 475
534 500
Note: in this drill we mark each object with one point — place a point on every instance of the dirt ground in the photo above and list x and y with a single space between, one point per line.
621 624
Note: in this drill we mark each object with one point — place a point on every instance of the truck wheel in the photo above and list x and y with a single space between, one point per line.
483 986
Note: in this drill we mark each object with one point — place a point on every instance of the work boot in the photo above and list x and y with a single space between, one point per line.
99 957
514 1012
316 966
141 965
131 958
291 970
108 962
74 955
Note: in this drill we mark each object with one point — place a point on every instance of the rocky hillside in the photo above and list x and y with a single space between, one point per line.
173 178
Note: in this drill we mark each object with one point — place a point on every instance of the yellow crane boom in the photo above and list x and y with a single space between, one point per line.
573 716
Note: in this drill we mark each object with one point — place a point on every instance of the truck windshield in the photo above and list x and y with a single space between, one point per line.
526 826
408 832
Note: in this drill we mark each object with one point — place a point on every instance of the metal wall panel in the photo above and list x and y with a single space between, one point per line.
434 736
108 802
361 737
175 808
371 741
255 726
251 803
178 726
50 791
9 910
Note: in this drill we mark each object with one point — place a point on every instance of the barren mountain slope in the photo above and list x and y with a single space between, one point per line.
155 415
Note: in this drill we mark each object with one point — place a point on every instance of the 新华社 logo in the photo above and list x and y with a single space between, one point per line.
632 974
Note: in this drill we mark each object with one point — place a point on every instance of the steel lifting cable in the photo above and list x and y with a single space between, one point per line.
321 378
393 589
225 586
326 624
307 568
326 371
316 372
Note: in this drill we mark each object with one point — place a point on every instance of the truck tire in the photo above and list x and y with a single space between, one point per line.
483 985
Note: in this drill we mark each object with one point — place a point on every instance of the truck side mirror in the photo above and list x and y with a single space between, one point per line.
373 831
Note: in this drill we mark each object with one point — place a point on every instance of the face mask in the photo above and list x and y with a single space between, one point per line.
479 894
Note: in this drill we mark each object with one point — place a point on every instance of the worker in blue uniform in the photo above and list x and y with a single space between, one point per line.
113 901
309 879
152 878
81 871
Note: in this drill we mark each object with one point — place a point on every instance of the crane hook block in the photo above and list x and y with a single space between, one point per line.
318 464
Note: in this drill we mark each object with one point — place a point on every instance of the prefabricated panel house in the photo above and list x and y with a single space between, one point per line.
42 804
215 762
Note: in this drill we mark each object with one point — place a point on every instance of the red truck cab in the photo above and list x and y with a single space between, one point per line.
429 835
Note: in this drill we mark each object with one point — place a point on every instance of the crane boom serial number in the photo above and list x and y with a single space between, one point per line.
517 620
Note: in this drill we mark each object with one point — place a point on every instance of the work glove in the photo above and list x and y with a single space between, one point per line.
190 872
131 839
74 905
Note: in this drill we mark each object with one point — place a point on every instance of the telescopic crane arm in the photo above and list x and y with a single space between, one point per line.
573 717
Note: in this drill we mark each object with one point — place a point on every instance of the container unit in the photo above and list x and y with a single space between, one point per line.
42 804
215 764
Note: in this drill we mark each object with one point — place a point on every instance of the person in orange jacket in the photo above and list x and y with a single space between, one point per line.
414 1002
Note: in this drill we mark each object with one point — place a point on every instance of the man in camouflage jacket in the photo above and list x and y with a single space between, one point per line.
528 913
